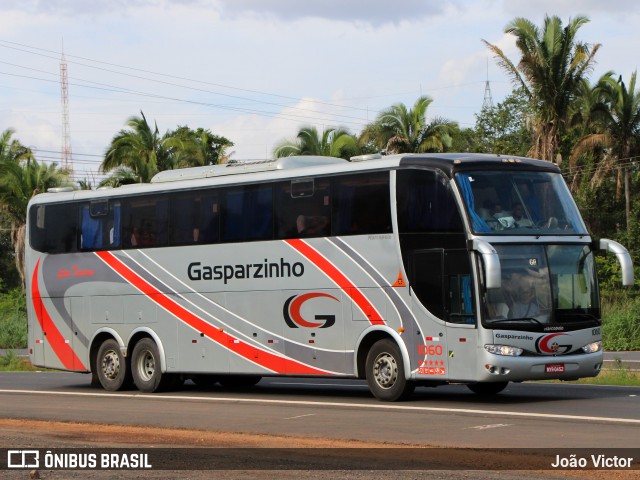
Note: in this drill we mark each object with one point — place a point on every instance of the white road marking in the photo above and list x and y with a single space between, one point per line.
300 416
487 427
370 406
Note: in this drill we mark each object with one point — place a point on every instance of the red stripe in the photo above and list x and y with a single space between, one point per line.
338 278
60 347
261 357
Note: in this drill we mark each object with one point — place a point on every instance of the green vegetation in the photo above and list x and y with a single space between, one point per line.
617 375
12 363
13 320
621 323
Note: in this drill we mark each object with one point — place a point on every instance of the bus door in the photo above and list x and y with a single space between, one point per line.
426 271
442 283
314 326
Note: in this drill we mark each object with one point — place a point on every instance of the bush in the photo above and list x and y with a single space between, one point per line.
13 320
621 322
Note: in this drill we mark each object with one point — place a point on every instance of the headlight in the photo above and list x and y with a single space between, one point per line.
593 347
504 350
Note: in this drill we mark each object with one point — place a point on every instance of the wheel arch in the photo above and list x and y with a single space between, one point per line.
368 338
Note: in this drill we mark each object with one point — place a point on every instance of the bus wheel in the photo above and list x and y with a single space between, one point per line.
487 388
385 372
145 367
239 381
111 367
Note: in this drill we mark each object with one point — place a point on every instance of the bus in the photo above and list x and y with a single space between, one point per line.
404 270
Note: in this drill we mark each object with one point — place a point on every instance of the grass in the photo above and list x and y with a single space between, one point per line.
620 323
12 363
13 320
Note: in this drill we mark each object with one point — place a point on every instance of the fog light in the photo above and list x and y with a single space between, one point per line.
504 350
592 347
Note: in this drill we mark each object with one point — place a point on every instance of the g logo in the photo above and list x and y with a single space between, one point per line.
293 317
544 344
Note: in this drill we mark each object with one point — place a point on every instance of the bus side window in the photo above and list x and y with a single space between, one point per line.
53 228
303 209
100 225
361 204
145 223
247 214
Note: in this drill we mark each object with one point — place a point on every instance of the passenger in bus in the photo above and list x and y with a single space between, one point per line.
312 225
521 292
519 216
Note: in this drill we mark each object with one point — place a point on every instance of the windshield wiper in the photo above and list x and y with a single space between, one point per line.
515 320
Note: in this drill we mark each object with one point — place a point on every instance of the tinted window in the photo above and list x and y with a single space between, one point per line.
145 222
425 203
247 214
100 225
304 209
194 218
361 204
53 228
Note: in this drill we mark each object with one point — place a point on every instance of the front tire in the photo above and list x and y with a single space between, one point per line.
112 370
384 369
145 368
487 388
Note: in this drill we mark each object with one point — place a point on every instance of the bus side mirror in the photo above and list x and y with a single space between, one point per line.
491 261
623 257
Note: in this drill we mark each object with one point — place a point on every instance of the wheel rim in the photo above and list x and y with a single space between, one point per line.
111 364
385 370
146 365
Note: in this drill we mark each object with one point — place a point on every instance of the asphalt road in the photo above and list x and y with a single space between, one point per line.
536 415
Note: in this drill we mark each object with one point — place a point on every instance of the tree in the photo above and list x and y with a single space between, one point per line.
503 129
550 71
140 149
618 113
401 130
22 177
200 147
333 142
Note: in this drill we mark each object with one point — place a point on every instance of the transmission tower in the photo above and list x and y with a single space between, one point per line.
487 103
67 162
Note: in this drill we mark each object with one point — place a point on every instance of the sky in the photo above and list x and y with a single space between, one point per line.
255 71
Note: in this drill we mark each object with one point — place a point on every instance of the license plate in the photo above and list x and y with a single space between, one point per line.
554 368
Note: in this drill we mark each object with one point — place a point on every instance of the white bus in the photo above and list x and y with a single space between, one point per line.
405 270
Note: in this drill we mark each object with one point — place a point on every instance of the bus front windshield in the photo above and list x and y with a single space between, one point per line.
519 203
543 285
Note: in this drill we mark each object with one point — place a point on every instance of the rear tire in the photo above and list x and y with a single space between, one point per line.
112 370
146 370
487 388
384 369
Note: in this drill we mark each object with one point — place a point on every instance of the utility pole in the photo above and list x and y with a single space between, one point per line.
67 161
487 103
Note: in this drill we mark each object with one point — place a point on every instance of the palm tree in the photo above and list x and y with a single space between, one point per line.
22 177
619 115
401 130
549 72
334 142
141 149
